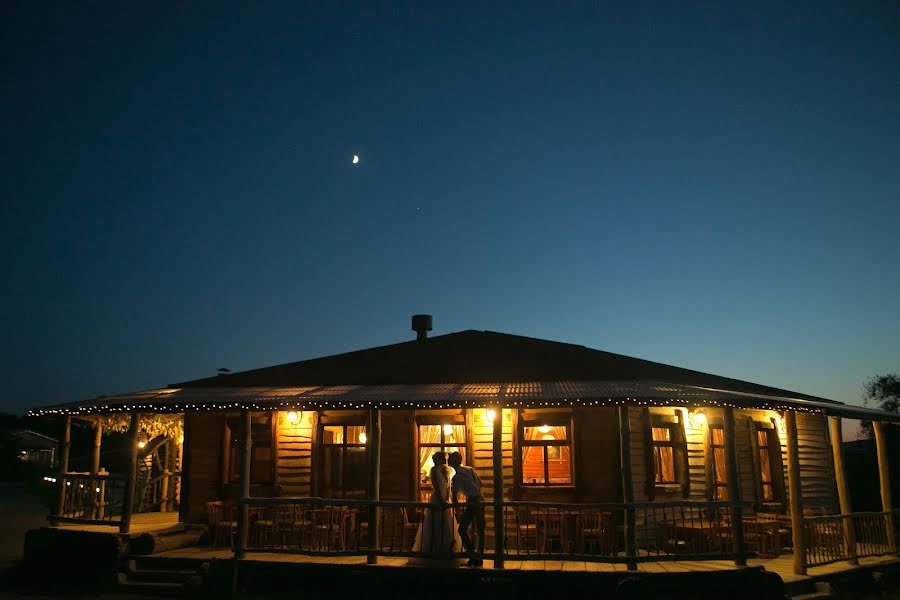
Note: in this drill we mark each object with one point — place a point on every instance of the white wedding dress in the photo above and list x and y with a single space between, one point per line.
437 537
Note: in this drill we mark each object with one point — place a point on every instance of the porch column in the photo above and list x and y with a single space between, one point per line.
95 457
374 440
798 532
499 521
134 429
884 475
97 483
734 491
63 467
837 452
627 485
243 513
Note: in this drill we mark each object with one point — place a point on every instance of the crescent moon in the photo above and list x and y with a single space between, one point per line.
355 159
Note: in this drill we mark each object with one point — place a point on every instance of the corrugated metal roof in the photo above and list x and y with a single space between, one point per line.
515 394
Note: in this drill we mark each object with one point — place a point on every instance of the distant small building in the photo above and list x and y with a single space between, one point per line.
36 448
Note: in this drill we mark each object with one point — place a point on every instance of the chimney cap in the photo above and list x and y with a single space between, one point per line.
421 324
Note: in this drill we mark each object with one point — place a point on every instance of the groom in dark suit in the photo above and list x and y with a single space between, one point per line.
466 480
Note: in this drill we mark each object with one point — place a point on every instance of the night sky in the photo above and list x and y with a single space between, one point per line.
711 185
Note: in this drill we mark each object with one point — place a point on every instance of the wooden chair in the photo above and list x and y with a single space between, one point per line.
781 524
526 530
221 523
595 533
550 532
328 528
410 528
668 540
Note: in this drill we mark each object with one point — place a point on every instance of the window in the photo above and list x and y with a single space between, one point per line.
546 447
343 469
719 473
436 434
664 453
769 452
261 463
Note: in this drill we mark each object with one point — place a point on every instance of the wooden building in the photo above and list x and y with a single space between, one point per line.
584 455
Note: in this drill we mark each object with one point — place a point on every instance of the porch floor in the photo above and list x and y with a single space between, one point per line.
783 565
140 523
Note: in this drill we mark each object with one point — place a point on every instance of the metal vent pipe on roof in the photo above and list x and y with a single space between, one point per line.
421 324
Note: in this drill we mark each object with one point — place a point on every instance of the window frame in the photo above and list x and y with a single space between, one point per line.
678 442
776 467
714 484
424 489
536 418
344 422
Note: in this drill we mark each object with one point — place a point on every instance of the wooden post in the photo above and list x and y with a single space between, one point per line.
884 474
164 482
374 439
734 490
499 521
627 485
95 456
63 468
95 468
798 531
243 514
134 429
837 453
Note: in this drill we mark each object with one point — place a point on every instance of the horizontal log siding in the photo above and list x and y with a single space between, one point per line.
817 480
482 445
293 453
397 460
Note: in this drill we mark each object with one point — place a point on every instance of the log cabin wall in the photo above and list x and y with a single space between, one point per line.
202 464
597 464
293 452
397 459
482 435
817 478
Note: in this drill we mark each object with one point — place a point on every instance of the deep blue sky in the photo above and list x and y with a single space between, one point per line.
710 185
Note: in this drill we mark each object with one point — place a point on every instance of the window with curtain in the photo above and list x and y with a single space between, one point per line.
665 437
344 461
720 476
448 436
769 449
546 450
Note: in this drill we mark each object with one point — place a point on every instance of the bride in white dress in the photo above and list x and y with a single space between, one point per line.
437 538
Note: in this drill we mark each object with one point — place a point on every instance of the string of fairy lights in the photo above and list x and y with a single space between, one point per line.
493 401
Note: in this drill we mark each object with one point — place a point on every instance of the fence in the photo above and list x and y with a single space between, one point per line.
828 541
531 530
91 499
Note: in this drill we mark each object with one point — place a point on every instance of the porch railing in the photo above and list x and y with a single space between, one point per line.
532 530
158 493
827 536
90 499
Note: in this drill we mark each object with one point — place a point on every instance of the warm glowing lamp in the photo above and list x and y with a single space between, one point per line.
292 417
362 437
544 429
141 444
448 429
490 414
697 418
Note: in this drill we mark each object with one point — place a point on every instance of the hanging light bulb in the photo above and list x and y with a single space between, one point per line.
292 417
448 429
544 429
362 437
141 444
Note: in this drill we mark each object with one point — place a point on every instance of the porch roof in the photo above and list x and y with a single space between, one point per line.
538 394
